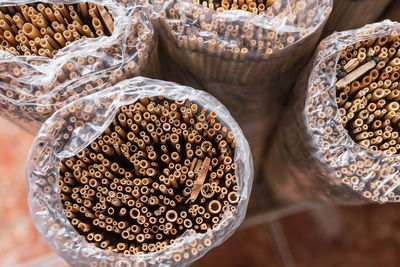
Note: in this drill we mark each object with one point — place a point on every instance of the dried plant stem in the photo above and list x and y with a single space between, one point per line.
162 167
32 88
250 5
368 97
41 29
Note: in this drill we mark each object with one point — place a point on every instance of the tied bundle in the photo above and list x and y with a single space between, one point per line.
53 53
146 171
59 26
346 145
249 5
230 46
246 53
368 93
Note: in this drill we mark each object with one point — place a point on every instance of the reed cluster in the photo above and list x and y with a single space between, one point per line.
233 38
344 149
42 29
161 168
352 111
229 53
368 93
33 88
248 5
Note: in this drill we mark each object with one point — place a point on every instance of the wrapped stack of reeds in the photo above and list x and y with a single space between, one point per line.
340 139
59 26
128 211
235 47
147 171
54 53
246 53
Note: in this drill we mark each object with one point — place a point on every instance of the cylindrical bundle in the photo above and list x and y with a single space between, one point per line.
224 49
248 60
338 140
145 173
72 48
351 14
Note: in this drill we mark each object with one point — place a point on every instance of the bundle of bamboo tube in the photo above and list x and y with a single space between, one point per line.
42 29
351 14
237 48
147 171
345 144
245 59
55 53
249 5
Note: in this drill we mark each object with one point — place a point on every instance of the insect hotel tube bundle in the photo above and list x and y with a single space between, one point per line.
229 53
250 5
120 43
42 28
368 93
154 173
145 180
236 48
345 147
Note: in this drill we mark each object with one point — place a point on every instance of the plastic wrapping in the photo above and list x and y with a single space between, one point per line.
33 87
248 61
314 157
56 141
237 47
351 14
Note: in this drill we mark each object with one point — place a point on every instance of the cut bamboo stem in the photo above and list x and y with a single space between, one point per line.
54 18
153 192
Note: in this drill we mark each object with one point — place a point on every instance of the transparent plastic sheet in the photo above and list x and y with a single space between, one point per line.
237 48
352 14
247 61
33 87
55 142
313 157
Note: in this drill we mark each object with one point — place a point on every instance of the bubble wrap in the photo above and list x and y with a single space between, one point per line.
313 156
56 141
33 87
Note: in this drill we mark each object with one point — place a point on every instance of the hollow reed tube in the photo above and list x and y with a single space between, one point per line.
162 198
345 146
44 19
